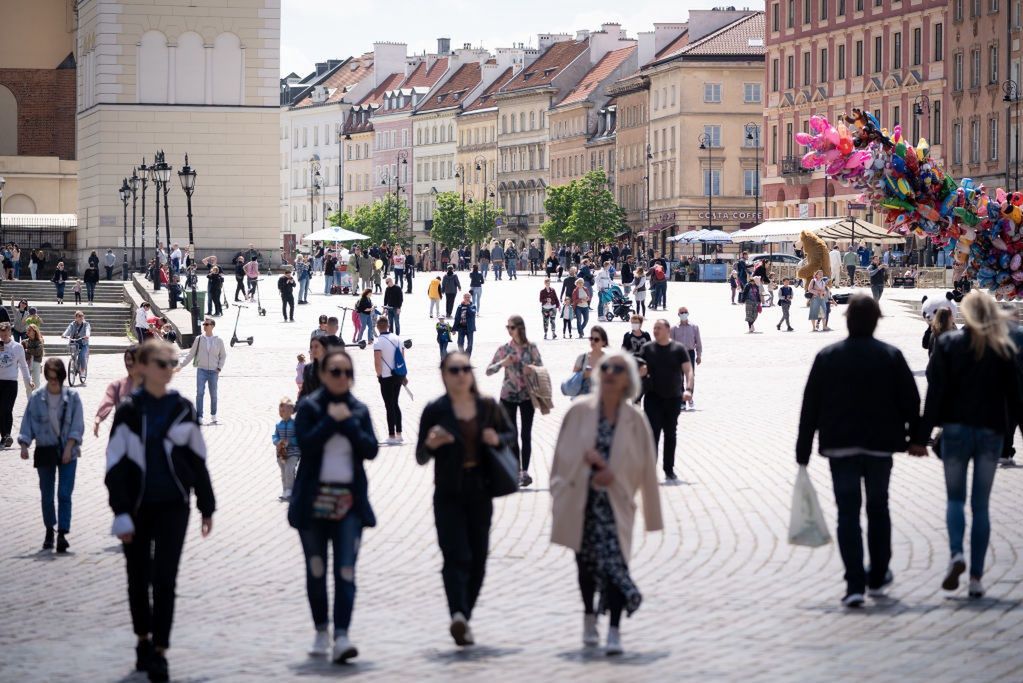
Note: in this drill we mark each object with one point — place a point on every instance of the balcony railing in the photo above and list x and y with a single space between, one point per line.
793 166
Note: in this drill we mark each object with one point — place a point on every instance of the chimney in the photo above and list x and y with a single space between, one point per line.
582 34
321 67
443 46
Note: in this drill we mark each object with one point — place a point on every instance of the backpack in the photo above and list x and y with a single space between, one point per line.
399 369
659 274
443 333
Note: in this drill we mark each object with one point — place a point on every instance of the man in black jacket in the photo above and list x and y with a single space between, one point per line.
859 429
393 299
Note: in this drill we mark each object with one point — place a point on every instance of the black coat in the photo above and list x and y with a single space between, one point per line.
447 470
393 296
860 394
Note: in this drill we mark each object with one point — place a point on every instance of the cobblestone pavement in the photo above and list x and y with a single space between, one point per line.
726 598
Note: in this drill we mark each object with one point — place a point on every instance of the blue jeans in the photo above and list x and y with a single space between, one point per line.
83 359
462 337
365 320
600 304
582 317
497 272
960 444
317 265
394 320
47 479
484 268
60 289
477 293
202 378
443 349
328 280
90 291
511 266
344 536
303 289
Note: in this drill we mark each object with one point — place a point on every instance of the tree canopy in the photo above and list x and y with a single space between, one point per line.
583 211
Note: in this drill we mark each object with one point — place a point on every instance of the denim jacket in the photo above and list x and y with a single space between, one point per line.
35 425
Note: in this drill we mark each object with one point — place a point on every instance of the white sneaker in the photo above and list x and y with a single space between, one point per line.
459 627
976 588
286 495
343 649
591 637
692 405
399 439
956 567
469 638
213 420
321 644
614 643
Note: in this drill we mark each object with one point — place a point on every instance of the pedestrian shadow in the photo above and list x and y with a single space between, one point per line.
961 602
534 490
475 653
676 483
324 667
137 676
40 556
587 655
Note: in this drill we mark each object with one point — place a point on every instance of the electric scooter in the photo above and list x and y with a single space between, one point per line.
234 335
341 330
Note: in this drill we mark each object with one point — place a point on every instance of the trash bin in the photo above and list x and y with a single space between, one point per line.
202 300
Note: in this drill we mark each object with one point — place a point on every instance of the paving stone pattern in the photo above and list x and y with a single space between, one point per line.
725 597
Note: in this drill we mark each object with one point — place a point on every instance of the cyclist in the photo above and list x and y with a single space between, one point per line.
78 332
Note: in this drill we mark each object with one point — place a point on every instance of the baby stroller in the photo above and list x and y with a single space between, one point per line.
616 304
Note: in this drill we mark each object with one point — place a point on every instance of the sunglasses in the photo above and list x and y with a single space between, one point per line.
337 372
597 339
457 369
613 369
207 324
164 364
511 327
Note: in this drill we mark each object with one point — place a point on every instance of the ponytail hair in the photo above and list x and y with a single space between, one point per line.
988 325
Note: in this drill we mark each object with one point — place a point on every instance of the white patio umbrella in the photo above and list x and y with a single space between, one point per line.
334 234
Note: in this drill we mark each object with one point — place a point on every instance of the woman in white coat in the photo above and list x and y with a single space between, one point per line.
605 453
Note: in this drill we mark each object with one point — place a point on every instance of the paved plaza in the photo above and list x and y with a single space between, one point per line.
725 597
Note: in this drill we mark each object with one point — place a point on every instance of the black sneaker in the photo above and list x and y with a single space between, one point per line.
853 600
62 544
882 590
8 440
671 476
143 655
48 540
525 480
158 668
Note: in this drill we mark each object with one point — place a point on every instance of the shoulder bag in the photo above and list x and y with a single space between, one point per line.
573 386
501 462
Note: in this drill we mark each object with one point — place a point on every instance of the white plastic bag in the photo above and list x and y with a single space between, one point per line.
806 525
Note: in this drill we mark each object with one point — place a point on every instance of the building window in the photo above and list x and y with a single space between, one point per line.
878 46
993 64
957 72
939 42
712 93
806 68
714 133
774 144
858 58
775 12
751 93
316 136
841 62
917 46
790 71
974 141
790 19
936 122
957 10
974 68
896 115
897 50
712 183
859 5
750 182
824 65
774 74
824 9
840 10
992 6
992 142
806 11
974 8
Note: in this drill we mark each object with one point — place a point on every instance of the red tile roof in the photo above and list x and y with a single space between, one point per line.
376 95
424 76
743 37
672 48
486 98
453 92
600 71
342 79
547 66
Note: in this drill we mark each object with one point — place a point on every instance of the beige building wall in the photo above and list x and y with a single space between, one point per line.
630 155
477 142
523 170
39 184
198 79
569 131
358 171
36 34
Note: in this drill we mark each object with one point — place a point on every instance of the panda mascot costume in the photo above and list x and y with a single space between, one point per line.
929 307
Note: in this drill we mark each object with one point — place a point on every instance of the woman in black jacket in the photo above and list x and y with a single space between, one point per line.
90 277
456 430
59 281
330 502
364 307
973 394
239 277
155 457
215 290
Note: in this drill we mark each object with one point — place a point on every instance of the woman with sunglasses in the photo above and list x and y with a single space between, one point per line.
587 361
330 502
119 389
604 454
53 419
455 430
156 456
516 358
35 347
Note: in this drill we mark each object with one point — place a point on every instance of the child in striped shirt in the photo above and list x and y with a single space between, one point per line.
286 443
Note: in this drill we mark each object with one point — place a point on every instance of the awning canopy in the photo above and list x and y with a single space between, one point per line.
334 234
704 236
40 220
836 228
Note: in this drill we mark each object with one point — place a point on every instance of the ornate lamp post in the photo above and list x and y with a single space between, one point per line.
124 193
133 183
1012 96
187 176
164 172
3 181
144 178
753 135
154 178
314 188
705 143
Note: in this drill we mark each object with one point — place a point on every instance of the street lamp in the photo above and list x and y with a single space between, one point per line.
460 175
187 176
341 137
144 178
3 181
921 106
154 178
705 143
328 205
753 135
314 188
133 182
164 172
124 193
1012 96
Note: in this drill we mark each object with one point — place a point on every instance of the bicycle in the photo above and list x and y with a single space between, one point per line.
74 372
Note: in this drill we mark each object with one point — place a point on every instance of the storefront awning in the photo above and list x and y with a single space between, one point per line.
835 228
40 220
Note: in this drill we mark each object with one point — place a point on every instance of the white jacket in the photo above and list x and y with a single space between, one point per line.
210 355
602 280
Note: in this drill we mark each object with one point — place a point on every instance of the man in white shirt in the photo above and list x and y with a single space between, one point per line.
12 359
175 258
210 355
389 360
602 282
141 322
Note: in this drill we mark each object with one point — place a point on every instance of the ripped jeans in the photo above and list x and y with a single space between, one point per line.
345 536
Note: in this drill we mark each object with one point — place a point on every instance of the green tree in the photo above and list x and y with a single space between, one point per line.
449 220
596 217
479 221
558 207
378 220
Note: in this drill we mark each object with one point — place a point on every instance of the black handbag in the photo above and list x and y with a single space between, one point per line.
502 466
46 456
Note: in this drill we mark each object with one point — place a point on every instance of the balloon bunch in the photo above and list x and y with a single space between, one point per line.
917 197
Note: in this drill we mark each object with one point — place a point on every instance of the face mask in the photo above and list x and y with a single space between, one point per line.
636 326
683 317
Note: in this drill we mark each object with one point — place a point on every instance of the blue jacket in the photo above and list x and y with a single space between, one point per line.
35 425
314 427
470 318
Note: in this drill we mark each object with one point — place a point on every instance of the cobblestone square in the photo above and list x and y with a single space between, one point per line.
725 597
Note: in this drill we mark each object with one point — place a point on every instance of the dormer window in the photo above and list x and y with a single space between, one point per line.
529 74
547 72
